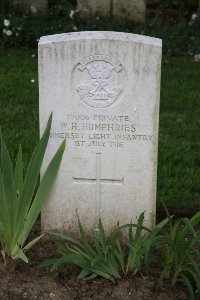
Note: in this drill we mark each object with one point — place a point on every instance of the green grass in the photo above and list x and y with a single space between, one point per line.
19 99
179 138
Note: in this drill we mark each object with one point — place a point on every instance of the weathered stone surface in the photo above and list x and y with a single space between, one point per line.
103 89
197 57
133 9
34 6
94 7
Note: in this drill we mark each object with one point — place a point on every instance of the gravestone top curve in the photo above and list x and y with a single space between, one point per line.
63 37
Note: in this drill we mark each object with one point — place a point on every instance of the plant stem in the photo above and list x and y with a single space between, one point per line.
4 256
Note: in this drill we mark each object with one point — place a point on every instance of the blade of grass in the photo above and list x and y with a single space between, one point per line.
102 237
32 243
86 277
187 283
18 177
43 191
20 255
64 237
97 244
87 247
3 207
7 178
31 178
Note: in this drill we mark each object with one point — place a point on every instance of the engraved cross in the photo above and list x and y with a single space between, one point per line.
98 181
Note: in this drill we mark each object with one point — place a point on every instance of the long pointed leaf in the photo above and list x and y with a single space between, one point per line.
18 177
18 183
139 226
102 237
31 178
84 265
83 274
48 262
32 243
97 244
20 254
43 190
79 252
86 275
187 283
3 207
64 237
87 247
65 259
7 177
120 256
195 278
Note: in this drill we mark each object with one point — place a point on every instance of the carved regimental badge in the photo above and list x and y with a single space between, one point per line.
102 80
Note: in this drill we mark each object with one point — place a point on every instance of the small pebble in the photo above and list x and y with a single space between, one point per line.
25 295
52 295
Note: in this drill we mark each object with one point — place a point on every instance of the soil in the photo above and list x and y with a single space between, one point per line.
27 281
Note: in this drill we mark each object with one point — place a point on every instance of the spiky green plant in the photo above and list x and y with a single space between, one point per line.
19 208
179 250
96 260
107 256
139 245
134 254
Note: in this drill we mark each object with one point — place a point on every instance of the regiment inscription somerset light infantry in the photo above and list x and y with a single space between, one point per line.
103 89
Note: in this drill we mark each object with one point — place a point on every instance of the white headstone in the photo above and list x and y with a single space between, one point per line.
93 7
134 10
103 89
33 6
131 9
